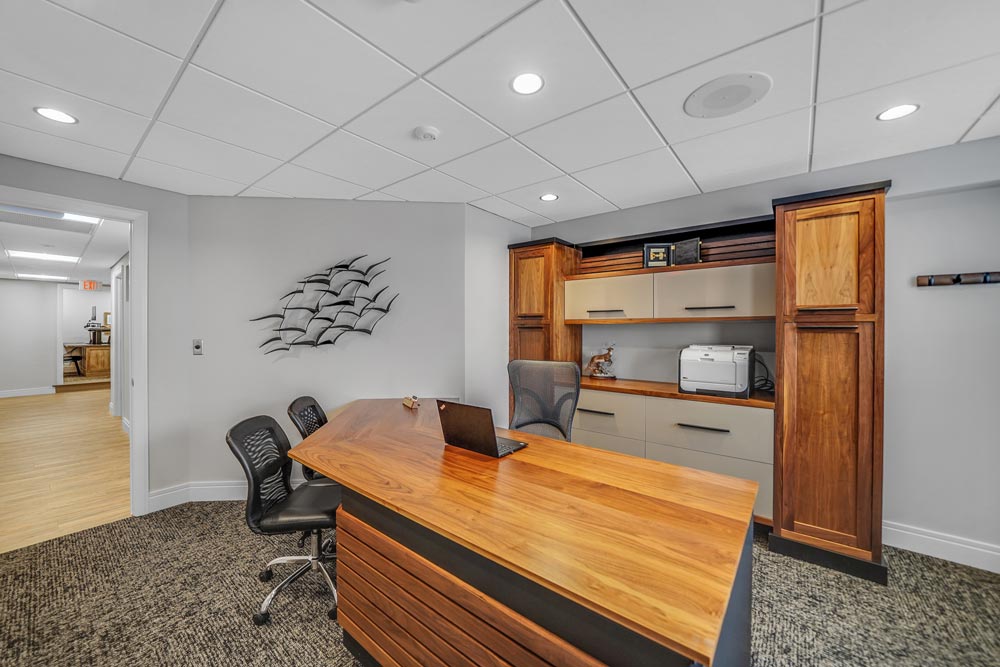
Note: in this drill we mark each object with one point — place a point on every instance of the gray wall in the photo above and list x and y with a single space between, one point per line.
28 336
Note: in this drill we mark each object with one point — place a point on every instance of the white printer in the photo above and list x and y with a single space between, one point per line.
717 370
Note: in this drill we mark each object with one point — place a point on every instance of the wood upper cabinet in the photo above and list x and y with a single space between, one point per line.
830 256
537 326
828 423
531 282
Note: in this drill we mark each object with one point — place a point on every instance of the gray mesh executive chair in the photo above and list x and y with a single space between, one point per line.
307 415
545 396
274 508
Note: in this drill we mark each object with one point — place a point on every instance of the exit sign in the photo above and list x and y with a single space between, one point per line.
90 285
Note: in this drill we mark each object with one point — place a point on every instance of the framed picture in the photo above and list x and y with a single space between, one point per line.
656 254
686 252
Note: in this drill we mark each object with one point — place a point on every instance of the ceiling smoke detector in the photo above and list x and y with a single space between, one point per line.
727 95
426 133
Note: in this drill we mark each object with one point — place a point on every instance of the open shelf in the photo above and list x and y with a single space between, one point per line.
668 269
669 320
758 399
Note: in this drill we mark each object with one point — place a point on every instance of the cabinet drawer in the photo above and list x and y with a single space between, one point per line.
611 443
620 297
728 291
610 413
761 473
729 430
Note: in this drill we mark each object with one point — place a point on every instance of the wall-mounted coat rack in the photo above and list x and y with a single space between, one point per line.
981 278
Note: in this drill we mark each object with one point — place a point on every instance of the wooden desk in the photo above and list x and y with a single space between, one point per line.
556 554
96 360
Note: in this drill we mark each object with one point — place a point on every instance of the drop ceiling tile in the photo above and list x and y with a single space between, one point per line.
100 125
575 201
210 105
847 131
49 44
167 177
434 186
194 152
299 182
505 209
171 26
358 160
378 196
602 133
544 39
988 125
752 153
261 192
860 52
501 167
39 239
50 149
294 53
421 34
640 179
653 38
392 122
786 59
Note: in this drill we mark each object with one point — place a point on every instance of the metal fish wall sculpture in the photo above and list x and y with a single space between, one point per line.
339 300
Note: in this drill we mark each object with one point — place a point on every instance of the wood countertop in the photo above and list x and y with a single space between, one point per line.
652 546
758 399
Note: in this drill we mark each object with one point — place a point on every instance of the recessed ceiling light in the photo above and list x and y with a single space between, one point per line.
24 254
527 83
892 113
80 218
548 196
38 276
55 114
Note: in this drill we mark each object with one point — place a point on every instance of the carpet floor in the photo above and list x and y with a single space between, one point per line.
178 587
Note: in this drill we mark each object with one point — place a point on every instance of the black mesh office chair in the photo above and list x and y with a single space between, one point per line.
307 416
274 508
545 396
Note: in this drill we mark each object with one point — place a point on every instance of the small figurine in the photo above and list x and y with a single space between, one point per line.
600 364
411 402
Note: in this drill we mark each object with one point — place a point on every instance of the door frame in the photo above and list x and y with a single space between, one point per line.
138 334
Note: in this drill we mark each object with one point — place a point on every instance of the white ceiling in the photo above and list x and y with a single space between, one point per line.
99 246
319 98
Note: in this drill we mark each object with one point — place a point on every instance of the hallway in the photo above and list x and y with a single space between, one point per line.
67 466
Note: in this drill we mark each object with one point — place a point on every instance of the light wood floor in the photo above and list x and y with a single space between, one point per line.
65 466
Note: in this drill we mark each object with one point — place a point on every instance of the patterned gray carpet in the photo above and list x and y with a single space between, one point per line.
178 587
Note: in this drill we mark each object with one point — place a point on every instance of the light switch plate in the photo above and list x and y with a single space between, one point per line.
197 347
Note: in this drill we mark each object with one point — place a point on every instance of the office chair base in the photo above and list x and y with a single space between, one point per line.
318 556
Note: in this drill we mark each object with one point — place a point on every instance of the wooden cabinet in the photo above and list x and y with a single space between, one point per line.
96 360
619 297
538 330
828 412
728 291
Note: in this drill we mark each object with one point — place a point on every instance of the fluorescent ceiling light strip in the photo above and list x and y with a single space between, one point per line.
24 254
80 218
74 217
39 276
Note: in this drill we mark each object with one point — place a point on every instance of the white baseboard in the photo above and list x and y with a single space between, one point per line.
30 391
196 492
942 545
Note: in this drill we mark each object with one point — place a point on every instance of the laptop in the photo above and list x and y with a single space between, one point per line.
471 427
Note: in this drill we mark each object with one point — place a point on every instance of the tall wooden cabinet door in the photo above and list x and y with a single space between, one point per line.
829 255
531 283
827 437
530 341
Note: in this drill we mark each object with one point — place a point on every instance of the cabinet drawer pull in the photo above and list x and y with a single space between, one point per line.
709 307
596 412
605 310
827 308
827 326
704 428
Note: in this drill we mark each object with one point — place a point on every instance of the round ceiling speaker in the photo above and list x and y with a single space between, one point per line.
727 95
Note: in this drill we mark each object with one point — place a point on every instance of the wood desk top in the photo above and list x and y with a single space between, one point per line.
758 399
652 546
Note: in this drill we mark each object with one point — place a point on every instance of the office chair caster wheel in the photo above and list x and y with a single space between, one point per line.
261 619
332 614
266 575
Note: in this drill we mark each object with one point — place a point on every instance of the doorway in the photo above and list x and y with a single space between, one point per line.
95 439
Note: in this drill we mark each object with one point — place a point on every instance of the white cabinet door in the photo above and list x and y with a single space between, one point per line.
727 291
611 443
620 297
729 430
611 413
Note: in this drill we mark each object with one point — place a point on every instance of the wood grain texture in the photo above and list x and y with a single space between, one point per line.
668 320
66 466
758 399
529 272
667 269
651 546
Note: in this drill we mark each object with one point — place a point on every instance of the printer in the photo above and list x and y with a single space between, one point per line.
717 370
